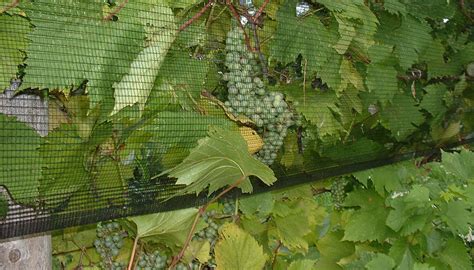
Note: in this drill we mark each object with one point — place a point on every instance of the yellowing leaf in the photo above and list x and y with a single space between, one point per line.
199 250
238 250
135 87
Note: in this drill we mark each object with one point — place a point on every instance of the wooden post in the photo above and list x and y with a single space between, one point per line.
31 252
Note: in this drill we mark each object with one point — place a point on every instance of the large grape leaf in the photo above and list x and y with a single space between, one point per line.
459 164
395 7
308 37
357 25
368 222
382 82
409 36
180 81
13 36
401 116
136 86
455 255
433 99
179 132
238 250
220 160
63 157
168 227
410 212
20 162
319 108
72 44
433 56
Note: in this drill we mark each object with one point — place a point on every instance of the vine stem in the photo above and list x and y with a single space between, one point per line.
258 51
132 257
200 212
464 11
260 10
115 11
237 18
13 4
275 253
196 16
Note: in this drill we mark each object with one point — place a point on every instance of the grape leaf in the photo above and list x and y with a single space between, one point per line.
459 164
291 227
433 99
3 206
435 9
422 266
71 45
409 36
433 56
220 160
367 223
455 255
178 132
184 89
291 156
380 261
457 216
395 7
261 203
20 162
402 254
170 227
13 36
411 212
199 250
398 175
63 173
302 264
382 82
319 108
401 116
138 83
296 36
236 249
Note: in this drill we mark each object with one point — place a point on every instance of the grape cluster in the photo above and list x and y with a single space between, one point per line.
154 261
210 232
247 95
110 239
338 191
229 208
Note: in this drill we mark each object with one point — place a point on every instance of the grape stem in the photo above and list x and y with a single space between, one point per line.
13 4
237 18
196 16
200 212
115 11
275 253
130 263
464 10
263 61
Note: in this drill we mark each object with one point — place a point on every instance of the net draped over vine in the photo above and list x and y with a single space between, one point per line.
101 97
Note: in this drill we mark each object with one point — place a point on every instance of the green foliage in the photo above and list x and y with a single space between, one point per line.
136 86
238 250
14 29
220 160
169 227
20 163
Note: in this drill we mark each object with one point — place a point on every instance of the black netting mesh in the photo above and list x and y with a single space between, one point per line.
102 96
